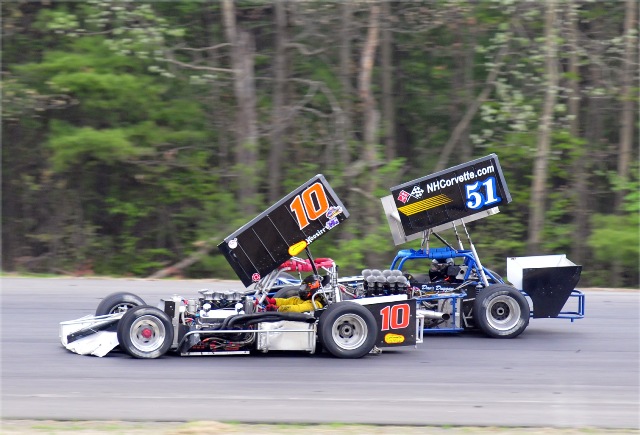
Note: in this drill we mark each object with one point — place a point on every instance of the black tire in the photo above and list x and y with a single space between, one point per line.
347 330
287 292
118 302
501 311
145 332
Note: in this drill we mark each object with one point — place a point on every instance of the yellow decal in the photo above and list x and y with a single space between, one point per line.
425 204
393 338
297 248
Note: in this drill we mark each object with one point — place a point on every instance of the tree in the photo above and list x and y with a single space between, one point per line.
242 54
279 122
629 77
541 162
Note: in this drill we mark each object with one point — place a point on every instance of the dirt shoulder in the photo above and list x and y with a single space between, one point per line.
211 427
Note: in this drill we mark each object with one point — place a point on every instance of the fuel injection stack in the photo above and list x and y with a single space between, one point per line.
384 283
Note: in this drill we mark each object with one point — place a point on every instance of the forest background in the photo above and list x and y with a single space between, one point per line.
137 135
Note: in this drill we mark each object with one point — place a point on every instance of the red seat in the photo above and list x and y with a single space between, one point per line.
305 265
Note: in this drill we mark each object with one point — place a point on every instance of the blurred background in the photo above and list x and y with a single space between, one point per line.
137 135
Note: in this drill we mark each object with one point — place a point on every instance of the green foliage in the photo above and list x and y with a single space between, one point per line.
616 240
72 146
117 157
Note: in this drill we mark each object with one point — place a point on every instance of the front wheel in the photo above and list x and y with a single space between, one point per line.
145 332
117 303
347 330
501 311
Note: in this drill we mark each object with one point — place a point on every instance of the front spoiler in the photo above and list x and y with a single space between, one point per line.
90 335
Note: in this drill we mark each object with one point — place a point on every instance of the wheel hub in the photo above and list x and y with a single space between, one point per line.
503 313
346 330
147 333
349 331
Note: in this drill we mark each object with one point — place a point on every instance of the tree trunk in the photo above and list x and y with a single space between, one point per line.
242 59
580 211
388 108
278 124
217 115
370 113
371 119
628 100
345 82
471 36
540 168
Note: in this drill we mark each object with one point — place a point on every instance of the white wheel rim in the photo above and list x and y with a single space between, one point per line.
503 313
349 331
147 333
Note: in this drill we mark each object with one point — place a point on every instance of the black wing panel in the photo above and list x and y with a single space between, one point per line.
451 194
260 246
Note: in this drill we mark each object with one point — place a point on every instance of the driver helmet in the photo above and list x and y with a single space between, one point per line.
309 286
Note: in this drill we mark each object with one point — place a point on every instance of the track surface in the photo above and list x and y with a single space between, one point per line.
560 374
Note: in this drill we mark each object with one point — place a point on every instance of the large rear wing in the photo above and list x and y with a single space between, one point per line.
439 201
283 230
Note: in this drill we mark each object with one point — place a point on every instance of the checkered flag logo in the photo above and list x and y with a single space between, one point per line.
417 192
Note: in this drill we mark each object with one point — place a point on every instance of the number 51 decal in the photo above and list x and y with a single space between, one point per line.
304 206
475 197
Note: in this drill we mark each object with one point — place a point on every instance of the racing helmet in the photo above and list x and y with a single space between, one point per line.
309 286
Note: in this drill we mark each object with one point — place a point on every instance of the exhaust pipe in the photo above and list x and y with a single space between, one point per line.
437 315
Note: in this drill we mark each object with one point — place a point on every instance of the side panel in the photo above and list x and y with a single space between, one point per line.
396 322
446 196
261 245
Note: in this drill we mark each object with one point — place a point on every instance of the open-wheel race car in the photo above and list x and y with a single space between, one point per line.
454 291
321 312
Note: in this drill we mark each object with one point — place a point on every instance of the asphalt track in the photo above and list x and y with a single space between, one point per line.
556 374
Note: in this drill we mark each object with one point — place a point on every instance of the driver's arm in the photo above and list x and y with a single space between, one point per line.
296 305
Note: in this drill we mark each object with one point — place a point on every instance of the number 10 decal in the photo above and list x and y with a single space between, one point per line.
475 198
395 317
304 207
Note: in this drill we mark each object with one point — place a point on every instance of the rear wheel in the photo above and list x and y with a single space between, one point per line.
501 311
347 330
118 303
145 332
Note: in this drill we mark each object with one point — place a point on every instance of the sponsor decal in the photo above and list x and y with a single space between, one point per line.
437 288
333 212
318 233
331 223
416 193
403 196
424 205
233 243
392 338
255 277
